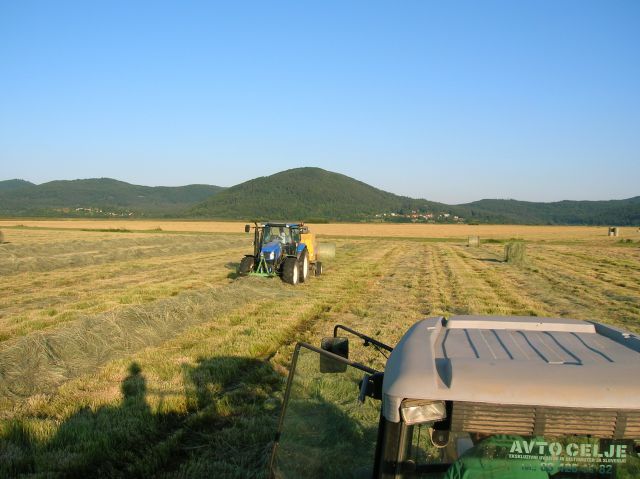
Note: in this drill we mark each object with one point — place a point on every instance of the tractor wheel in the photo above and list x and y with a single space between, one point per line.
318 268
291 271
246 265
304 266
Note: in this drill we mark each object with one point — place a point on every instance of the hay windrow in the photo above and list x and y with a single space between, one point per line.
41 361
50 256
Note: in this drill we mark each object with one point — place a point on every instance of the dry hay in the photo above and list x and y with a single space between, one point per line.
56 254
473 241
43 360
1 237
515 252
335 229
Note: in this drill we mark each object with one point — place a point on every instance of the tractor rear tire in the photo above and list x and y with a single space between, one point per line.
318 268
304 266
291 271
246 265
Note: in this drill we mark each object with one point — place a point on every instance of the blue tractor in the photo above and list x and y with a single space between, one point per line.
287 250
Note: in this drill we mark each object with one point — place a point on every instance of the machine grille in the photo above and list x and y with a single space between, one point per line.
544 421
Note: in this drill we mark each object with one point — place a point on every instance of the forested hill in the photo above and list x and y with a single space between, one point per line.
307 193
313 193
611 212
98 197
9 185
310 194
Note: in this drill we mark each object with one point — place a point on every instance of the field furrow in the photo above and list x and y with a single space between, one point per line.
30 304
568 288
493 288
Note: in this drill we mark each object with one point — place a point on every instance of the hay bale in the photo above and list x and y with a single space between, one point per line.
613 231
1 237
473 241
515 252
326 251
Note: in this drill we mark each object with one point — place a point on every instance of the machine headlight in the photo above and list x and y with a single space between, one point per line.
272 255
418 411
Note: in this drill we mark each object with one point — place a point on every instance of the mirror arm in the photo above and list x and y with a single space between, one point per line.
367 339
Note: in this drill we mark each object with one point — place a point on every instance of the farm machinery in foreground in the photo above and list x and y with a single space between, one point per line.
467 397
287 250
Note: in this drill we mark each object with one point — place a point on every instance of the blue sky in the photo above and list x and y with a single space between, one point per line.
450 101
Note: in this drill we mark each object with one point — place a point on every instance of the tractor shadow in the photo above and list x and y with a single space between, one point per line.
222 424
233 274
200 431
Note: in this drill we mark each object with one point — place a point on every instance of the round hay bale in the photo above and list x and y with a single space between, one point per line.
473 241
613 231
515 252
326 251
1 237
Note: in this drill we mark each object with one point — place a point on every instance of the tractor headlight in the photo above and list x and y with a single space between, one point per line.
272 255
418 411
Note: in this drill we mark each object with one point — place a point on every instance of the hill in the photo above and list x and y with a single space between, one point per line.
10 185
308 194
313 194
98 197
614 212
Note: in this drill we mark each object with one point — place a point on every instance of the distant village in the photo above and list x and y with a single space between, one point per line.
420 217
99 212
414 216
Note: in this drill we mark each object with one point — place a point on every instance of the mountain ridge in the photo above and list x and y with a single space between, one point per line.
99 197
308 193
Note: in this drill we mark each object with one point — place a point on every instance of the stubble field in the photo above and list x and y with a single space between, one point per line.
141 354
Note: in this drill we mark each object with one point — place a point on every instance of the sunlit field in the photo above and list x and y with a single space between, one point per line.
407 230
139 352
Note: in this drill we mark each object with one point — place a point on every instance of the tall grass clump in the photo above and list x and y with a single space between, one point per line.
515 252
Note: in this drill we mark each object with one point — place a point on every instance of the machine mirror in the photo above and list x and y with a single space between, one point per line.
338 346
247 228
439 438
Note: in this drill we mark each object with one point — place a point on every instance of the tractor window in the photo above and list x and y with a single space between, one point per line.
477 456
270 234
276 233
326 432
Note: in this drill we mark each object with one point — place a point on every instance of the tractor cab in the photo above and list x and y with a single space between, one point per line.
466 397
287 236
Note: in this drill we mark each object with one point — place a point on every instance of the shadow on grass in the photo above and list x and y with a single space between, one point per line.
234 270
224 431
491 260
222 425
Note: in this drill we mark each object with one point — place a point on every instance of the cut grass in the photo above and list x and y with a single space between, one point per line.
137 356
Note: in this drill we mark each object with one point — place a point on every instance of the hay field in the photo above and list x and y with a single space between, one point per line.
410 230
141 354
